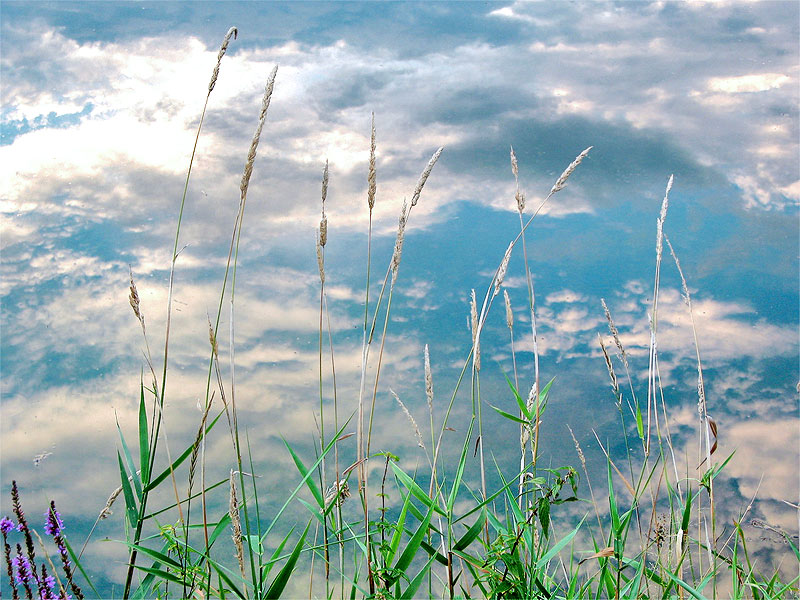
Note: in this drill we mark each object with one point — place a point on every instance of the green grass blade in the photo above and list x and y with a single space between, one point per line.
414 543
472 533
265 569
282 578
521 403
160 573
401 521
131 465
440 558
312 486
78 564
130 503
156 555
509 416
557 548
451 499
411 591
221 526
144 442
639 422
313 510
693 592
226 578
178 461
300 485
413 487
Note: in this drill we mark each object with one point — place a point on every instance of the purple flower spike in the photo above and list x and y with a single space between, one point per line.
23 568
6 525
53 525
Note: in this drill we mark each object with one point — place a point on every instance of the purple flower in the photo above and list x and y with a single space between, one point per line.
53 525
6 525
23 567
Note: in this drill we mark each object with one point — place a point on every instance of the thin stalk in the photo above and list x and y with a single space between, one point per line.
145 494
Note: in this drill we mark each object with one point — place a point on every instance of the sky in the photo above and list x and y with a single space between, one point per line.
100 104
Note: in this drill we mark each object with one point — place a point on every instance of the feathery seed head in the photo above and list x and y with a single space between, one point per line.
514 165
251 154
417 432
104 514
133 298
222 49
473 312
562 181
428 379
320 259
398 245
371 179
424 177
337 493
212 338
323 224
501 271
236 523
509 312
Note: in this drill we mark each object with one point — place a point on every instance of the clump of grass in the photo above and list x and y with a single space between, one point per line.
450 541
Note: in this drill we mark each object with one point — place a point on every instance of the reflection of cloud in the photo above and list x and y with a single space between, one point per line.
726 330
748 83
766 458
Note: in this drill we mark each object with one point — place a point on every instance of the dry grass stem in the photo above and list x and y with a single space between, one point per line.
604 553
371 178
562 181
424 177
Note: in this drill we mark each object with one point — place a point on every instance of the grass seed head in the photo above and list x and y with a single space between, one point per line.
371 180
509 312
562 181
428 379
222 49
251 154
424 177
473 313
417 432
398 244
501 271
323 224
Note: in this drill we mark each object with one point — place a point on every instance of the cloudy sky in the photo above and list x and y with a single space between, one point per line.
100 107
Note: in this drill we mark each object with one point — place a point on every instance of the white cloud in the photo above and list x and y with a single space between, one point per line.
748 83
